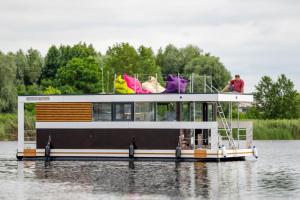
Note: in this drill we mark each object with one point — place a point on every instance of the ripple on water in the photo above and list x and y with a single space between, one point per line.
266 178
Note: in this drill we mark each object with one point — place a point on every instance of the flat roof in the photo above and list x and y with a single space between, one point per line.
159 97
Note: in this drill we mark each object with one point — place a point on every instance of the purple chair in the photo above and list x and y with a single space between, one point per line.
175 83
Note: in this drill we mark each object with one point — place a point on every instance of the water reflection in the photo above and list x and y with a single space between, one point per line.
264 178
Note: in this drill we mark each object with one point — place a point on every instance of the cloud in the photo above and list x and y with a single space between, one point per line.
252 38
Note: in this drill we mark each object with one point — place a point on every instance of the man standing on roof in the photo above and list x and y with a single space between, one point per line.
235 85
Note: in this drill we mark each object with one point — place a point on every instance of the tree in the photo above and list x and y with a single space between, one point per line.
51 63
8 91
170 60
80 76
58 57
146 62
276 100
173 60
51 90
122 58
34 68
22 65
80 50
210 66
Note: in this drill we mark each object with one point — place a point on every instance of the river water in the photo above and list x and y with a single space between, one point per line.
274 175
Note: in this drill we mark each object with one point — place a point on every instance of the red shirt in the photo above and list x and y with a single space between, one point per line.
238 85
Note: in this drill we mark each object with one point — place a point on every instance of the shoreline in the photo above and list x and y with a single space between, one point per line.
280 129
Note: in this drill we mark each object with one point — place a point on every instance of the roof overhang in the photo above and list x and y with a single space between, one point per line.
230 97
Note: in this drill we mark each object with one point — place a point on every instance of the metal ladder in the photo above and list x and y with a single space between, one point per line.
228 129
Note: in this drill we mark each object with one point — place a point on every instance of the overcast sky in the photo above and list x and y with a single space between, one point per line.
252 38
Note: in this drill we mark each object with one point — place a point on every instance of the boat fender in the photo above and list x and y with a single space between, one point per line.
223 149
47 150
255 153
131 150
178 152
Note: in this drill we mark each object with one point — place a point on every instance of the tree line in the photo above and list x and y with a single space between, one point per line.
79 69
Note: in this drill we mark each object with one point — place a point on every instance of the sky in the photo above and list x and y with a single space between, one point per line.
252 38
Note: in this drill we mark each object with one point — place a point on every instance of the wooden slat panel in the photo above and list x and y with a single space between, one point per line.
47 112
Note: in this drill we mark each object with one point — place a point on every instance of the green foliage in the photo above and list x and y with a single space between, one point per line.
52 63
173 60
276 129
51 90
58 57
276 100
82 75
33 70
8 91
122 58
146 62
9 125
209 65
22 65
298 104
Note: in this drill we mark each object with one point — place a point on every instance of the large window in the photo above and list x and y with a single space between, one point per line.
166 112
102 112
123 111
144 111
198 111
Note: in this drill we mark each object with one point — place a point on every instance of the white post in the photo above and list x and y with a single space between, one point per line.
178 83
20 127
238 131
156 83
214 136
204 83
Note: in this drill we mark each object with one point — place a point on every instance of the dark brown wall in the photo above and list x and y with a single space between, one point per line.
108 138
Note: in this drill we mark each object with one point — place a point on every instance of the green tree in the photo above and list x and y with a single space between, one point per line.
58 57
51 63
22 65
8 91
34 68
51 90
80 76
122 58
209 66
276 100
173 60
146 62
80 50
298 105
170 60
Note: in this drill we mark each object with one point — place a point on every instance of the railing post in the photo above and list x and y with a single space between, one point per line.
156 82
238 131
114 89
204 83
178 83
192 82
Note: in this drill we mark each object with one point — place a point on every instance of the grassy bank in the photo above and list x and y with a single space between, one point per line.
262 130
276 129
9 125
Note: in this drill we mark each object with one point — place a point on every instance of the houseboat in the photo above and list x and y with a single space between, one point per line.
157 126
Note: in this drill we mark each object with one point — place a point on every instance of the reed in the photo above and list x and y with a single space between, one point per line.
276 129
9 125
262 129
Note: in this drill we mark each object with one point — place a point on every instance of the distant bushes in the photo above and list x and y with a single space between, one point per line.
276 129
9 125
262 130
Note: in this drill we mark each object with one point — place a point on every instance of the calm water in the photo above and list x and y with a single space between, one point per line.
275 175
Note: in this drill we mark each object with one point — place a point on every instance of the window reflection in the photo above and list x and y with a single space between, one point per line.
166 111
144 111
102 112
123 112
